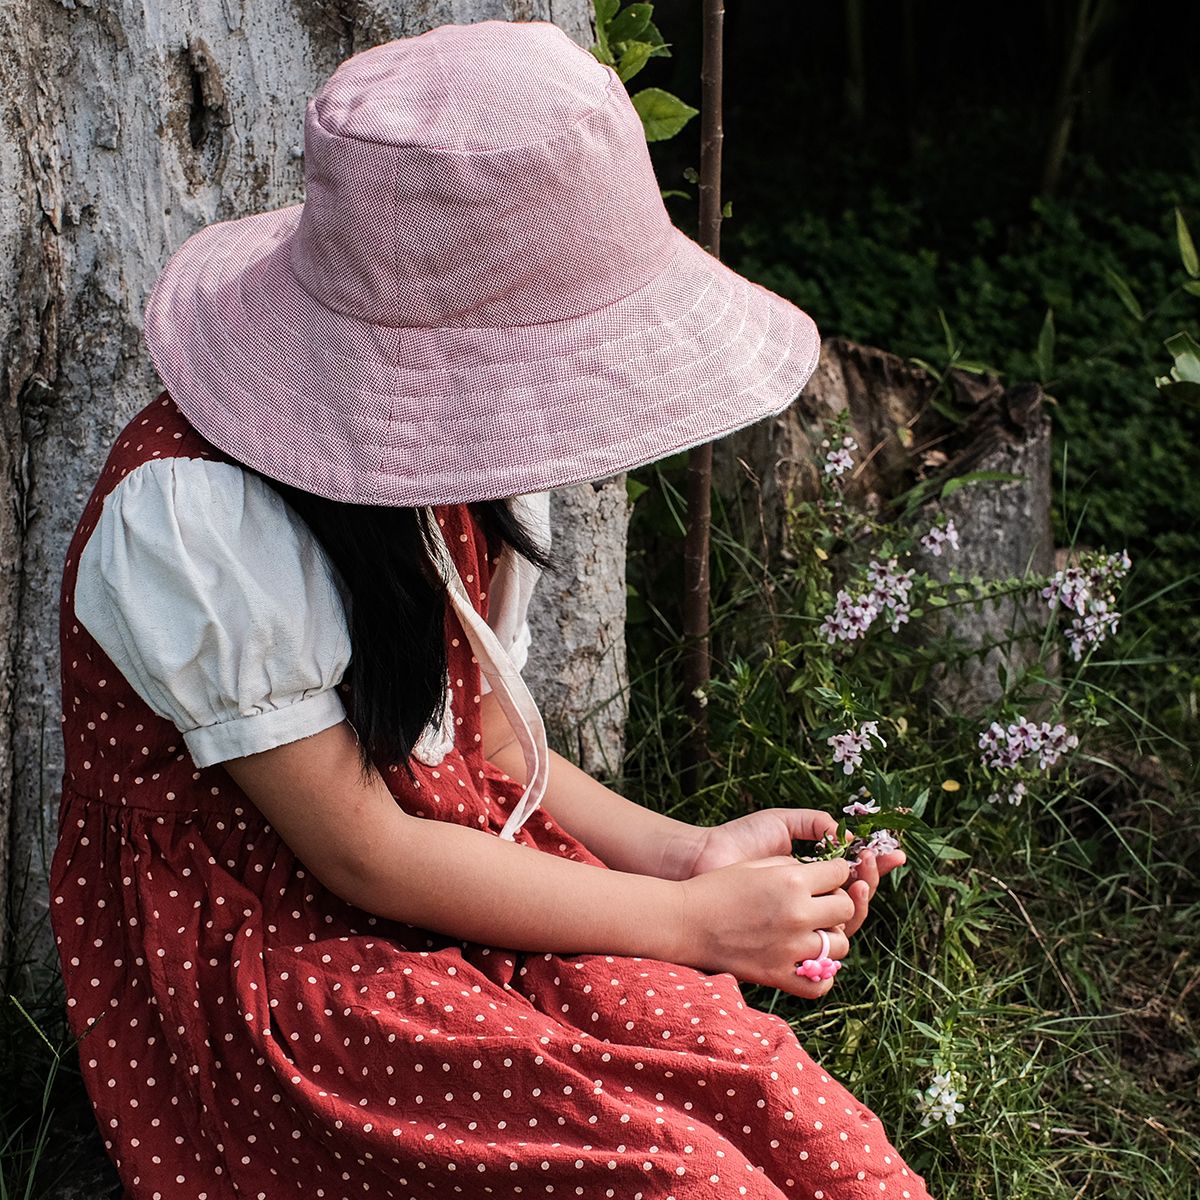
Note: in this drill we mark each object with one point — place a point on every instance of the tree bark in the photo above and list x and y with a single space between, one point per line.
126 128
577 666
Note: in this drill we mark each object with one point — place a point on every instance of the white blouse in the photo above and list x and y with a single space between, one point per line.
221 609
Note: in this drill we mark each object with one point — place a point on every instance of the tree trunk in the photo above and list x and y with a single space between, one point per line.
577 664
128 127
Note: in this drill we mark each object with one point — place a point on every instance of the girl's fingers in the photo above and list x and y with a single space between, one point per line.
892 860
826 876
807 824
828 912
867 870
839 944
860 894
806 988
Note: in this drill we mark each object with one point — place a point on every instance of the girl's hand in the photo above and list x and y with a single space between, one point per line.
758 919
865 875
771 831
759 835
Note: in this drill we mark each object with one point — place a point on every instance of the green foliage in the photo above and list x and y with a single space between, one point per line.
1041 954
662 114
626 40
1055 298
1183 380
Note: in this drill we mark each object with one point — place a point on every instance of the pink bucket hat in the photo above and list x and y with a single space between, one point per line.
482 295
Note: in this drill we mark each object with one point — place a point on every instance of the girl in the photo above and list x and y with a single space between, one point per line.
333 920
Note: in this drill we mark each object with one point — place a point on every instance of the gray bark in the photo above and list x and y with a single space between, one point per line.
577 660
125 128
1004 532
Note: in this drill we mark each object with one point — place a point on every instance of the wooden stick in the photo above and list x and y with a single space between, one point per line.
696 659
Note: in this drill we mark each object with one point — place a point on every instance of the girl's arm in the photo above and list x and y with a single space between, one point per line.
753 919
624 835
351 833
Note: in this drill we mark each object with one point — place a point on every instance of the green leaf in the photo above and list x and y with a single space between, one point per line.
605 11
1192 287
945 851
676 192
660 48
630 23
1186 353
918 804
36 1027
925 366
1124 294
961 481
950 347
1043 356
634 57
1187 248
691 174
663 115
974 367
635 489
727 209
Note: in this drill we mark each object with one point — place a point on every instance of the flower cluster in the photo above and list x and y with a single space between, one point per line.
1015 794
882 841
1006 748
1089 592
849 745
940 1101
940 536
839 460
888 592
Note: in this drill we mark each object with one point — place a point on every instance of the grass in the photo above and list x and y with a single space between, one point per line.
1052 957
1055 963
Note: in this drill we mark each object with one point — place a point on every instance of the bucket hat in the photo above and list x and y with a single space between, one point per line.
481 296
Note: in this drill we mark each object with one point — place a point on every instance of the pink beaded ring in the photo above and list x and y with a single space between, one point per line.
821 967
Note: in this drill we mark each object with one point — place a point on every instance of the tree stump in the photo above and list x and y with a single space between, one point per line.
911 427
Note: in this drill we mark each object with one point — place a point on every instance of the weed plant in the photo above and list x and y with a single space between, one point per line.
1102 266
1037 959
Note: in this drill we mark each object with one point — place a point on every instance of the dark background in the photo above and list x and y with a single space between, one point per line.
886 198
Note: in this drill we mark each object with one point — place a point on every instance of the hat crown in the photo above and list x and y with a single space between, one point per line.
493 85
491 174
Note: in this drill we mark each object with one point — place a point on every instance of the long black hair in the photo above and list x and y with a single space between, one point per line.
397 610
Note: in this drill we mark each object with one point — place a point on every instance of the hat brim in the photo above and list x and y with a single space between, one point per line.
374 414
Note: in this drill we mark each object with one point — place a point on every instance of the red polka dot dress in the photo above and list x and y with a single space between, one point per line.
246 1033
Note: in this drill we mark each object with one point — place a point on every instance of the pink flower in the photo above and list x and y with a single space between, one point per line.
856 808
940 536
883 841
839 460
848 746
1089 592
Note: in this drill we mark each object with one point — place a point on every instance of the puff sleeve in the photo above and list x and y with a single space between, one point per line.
217 605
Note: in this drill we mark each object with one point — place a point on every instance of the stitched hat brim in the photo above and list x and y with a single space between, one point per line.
375 414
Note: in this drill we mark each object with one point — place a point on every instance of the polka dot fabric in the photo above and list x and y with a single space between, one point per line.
245 1033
